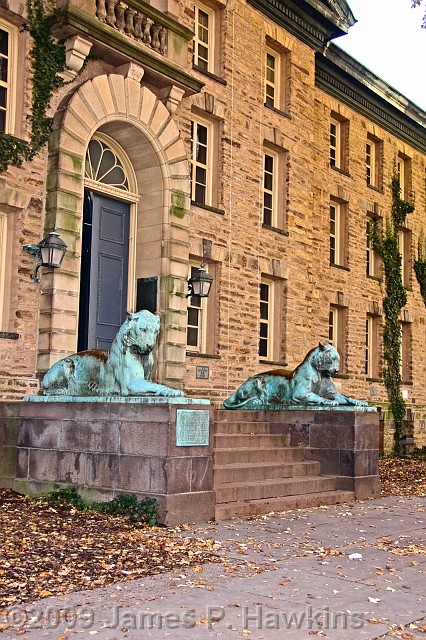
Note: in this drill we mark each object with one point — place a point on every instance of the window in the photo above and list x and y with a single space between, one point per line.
196 325
403 170
272 79
406 351
336 324
337 234
274 187
404 241
276 66
204 39
271 318
371 346
201 151
373 149
269 189
338 142
372 262
370 163
266 323
7 69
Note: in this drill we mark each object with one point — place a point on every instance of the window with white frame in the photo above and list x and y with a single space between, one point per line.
403 170
274 186
336 320
370 162
335 143
337 233
266 320
203 57
373 151
270 162
201 162
272 76
7 72
196 321
338 141
372 262
371 346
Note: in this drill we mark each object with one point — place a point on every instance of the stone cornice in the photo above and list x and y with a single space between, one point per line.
345 79
311 21
73 19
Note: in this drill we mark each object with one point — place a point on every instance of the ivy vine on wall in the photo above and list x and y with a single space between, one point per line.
48 60
420 266
385 243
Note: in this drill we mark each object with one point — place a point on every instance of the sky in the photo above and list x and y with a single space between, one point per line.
388 39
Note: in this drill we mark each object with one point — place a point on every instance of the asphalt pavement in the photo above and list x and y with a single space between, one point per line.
351 571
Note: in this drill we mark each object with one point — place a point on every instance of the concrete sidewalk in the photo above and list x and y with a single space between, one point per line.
286 575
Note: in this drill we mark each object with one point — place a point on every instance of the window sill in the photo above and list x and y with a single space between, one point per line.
197 354
278 111
280 363
8 335
376 278
343 172
374 380
209 74
377 189
339 266
283 232
342 376
207 207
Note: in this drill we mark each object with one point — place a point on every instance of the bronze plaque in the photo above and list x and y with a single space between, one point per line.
192 428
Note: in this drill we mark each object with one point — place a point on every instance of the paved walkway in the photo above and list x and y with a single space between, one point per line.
283 576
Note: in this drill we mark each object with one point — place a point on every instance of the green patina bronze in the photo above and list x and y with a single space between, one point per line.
124 371
309 385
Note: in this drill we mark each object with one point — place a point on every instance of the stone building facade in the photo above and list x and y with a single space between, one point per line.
237 135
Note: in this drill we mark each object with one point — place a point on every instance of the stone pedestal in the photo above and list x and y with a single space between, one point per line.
107 447
345 441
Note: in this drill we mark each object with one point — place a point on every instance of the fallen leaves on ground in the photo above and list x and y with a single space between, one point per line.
49 551
403 476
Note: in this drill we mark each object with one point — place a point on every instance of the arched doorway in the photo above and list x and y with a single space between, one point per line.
106 254
133 117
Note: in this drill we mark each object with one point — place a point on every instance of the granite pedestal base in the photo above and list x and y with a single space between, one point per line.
108 448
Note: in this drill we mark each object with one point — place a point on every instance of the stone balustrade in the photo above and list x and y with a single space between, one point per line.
133 23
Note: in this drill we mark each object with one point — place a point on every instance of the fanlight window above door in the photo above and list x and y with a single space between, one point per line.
103 165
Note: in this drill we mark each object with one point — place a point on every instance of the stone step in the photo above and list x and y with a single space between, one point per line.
239 415
266 470
246 440
268 505
241 426
249 455
273 488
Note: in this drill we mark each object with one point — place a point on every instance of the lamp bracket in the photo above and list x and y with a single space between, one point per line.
32 250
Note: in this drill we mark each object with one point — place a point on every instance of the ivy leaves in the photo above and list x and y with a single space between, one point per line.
48 60
386 244
420 266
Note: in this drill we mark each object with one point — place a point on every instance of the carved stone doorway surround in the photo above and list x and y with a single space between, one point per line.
132 115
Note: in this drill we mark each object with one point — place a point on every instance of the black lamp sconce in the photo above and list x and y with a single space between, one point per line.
199 285
49 252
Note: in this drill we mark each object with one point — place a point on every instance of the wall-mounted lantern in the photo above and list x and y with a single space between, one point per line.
199 285
49 252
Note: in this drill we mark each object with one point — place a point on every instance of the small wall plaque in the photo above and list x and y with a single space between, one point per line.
202 372
192 428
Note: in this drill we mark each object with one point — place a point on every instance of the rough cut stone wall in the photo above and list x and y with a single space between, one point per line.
301 260
240 248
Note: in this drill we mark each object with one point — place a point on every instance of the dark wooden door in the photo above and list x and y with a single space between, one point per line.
104 270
